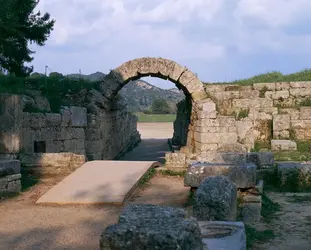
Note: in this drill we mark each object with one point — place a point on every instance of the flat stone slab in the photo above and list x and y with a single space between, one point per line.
223 235
243 175
283 145
99 182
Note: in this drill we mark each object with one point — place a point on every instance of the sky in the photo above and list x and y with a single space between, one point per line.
220 40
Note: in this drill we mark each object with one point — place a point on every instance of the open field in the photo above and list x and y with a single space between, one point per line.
155 118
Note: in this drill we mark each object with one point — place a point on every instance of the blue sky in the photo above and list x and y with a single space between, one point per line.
217 39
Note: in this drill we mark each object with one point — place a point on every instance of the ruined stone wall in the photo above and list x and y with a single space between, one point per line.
273 110
75 130
235 117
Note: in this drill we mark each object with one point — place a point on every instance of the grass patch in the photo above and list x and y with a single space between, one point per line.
306 102
169 172
260 145
147 177
190 200
302 153
155 117
269 207
254 236
241 114
274 76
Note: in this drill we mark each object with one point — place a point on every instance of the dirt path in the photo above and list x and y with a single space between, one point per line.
27 226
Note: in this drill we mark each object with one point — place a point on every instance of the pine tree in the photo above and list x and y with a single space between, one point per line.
19 26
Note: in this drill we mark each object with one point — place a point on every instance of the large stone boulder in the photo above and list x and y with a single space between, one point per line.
143 227
242 175
216 199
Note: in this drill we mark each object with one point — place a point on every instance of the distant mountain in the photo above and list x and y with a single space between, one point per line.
140 94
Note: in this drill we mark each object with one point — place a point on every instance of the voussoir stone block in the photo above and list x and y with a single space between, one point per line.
242 175
147 226
216 199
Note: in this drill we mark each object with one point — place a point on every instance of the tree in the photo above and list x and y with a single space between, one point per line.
19 26
160 106
56 75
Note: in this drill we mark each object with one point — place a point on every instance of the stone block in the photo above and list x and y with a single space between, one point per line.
150 227
277 95
203 147
301 84
78 117
216 200
3 183
282 86
65 117
14 186
251 209
223 235
305 113
281 122
221 157
233 147
283 145
9 167
243 175
53 119
300 92
211 138
175 160
260 159
267 86
14 177
294 113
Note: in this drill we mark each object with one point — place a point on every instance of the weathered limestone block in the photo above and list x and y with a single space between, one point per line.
249 94
78 116
284 134
74 145
276 95
292 112
260 159
306 84
235 147
226 95
28 138
300 92
175 160
243 175
216 199
261 86
301 124
221 157
259 103
283 145
251 208
52 164
244 132
53 120
281 122
54 146
282 86
305 113
37 120
223 235
151 227
9 167
211 138
203 147
65 117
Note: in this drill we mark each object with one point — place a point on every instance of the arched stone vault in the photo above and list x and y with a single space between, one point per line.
156 67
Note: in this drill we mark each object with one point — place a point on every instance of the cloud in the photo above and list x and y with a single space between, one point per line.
210 36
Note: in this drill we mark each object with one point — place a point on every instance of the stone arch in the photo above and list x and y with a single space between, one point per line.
156 67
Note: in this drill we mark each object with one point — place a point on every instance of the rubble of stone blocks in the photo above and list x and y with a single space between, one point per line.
10 175
244 178
223 235
152 227
216 200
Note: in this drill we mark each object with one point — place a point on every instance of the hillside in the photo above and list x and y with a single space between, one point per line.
139 94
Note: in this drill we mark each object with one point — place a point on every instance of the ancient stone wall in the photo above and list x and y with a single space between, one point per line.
234 117
74 131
